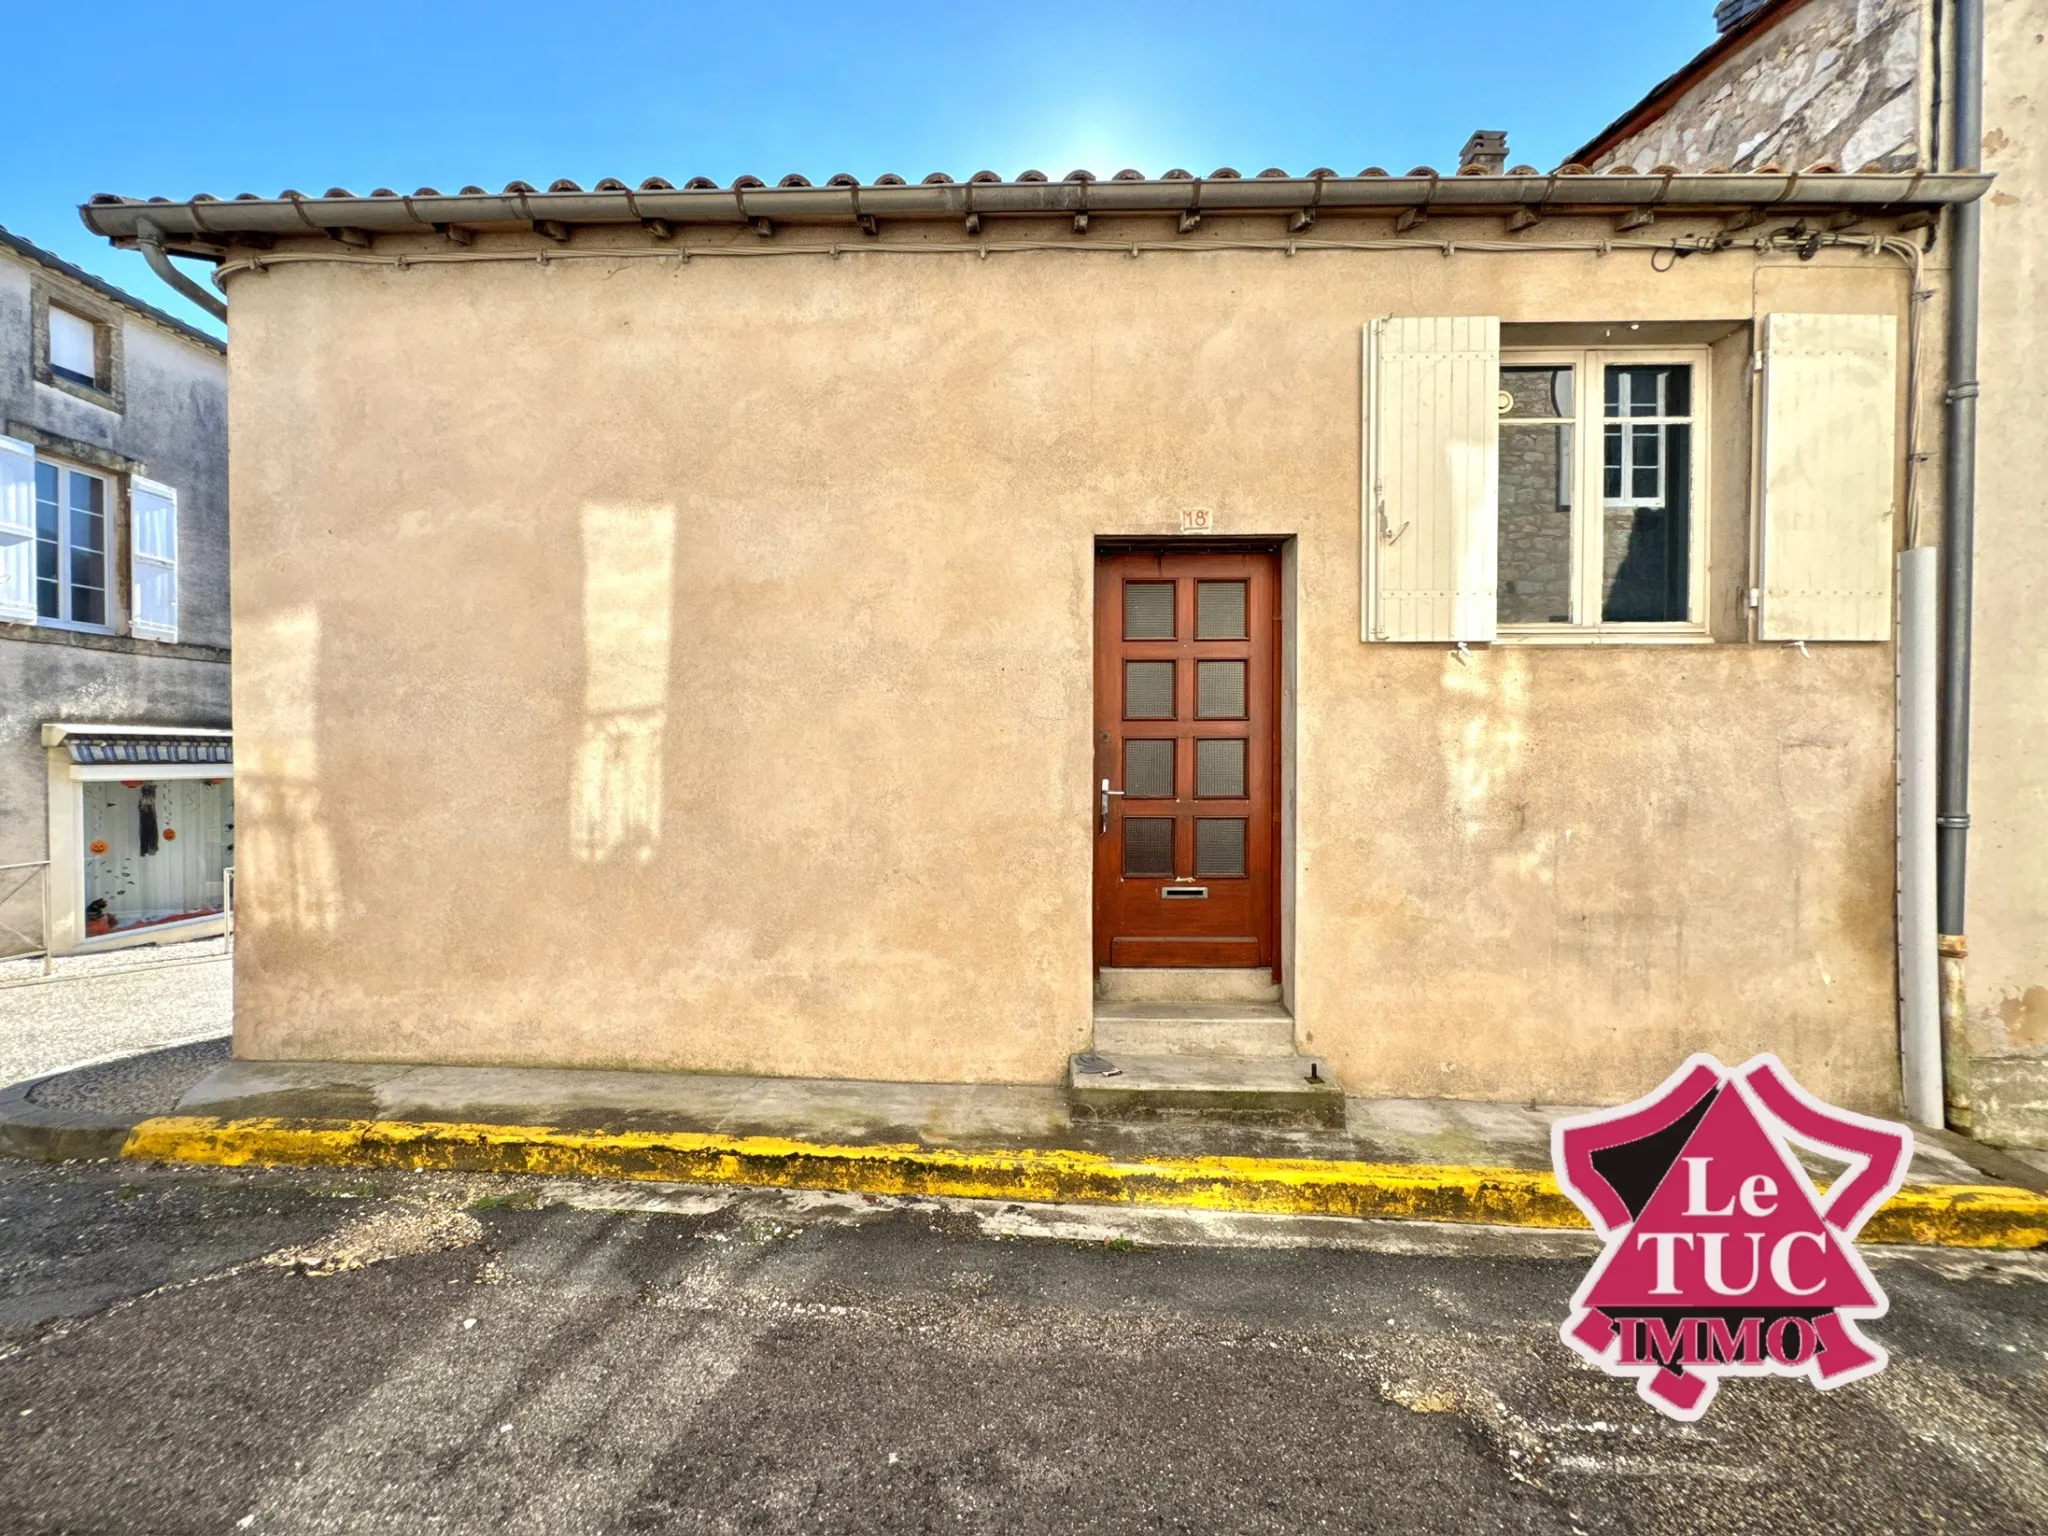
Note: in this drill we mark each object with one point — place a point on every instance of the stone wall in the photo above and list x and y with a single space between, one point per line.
168 414
1535 524
1829 80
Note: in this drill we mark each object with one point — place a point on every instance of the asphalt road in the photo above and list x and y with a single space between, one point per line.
220 1351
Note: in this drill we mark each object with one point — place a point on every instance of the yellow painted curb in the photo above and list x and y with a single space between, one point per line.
1967 1216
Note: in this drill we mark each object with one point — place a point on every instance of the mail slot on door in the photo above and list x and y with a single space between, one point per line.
1185 892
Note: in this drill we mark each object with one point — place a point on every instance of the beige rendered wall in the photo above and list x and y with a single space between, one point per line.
688 666
2008 888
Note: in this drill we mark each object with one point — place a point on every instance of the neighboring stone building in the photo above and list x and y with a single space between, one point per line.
922 632
1800 82
1790 83
115 765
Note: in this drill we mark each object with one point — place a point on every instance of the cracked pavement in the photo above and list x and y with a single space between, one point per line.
212 1350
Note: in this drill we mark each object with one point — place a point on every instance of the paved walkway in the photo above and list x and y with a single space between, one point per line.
99 1007
968 1117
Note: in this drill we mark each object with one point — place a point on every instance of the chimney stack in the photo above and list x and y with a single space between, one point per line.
1485 153
1730 14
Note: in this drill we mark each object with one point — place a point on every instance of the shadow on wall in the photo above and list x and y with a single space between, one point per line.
286 857
628 556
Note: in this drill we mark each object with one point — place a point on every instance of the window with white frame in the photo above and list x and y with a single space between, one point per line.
74 347
71 545
1601 521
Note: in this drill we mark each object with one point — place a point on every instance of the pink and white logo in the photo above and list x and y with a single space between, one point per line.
1722 1258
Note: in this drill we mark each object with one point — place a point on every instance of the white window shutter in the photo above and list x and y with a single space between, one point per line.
153 518
1828 462
1432 478
17 531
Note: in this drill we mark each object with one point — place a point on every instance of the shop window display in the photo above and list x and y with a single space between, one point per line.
156 851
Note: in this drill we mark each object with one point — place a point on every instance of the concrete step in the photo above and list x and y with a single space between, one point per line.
1161 985
1194 1029
1131 1085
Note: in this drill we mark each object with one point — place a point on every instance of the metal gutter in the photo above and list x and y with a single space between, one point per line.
204 225
151 242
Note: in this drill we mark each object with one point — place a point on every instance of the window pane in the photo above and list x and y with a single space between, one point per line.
1535 525
1219 610
86 532
88 526
1658 389
1148 847
1536 392
1646 565
48 522
88 493
1219 768
72 345
1219 690
124 888
1643 449
1148 770
1219 847
1148 690
1148 610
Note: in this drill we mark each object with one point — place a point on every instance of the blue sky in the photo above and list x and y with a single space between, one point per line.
236 97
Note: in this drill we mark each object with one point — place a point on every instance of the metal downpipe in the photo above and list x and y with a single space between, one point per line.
1958 548
150 240
1920 1032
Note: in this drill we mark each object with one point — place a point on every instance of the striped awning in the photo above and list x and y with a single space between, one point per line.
150 749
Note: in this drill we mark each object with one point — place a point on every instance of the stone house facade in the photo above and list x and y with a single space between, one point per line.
116 799
1792 83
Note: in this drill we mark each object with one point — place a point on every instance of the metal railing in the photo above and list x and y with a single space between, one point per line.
15 878
21 875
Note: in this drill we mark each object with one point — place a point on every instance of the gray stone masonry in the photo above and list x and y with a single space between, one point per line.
1835 80
158 409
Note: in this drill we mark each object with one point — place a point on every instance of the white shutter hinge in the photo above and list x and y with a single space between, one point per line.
1756 362
1756 597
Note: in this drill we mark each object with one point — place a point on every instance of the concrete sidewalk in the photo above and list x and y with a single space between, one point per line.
102 1007
966 1117
1433 1159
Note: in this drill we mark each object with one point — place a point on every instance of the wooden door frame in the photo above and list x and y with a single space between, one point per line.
1281 862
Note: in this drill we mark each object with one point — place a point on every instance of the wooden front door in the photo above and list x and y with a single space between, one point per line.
1187 760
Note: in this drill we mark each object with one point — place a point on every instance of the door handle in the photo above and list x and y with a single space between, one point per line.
1106 793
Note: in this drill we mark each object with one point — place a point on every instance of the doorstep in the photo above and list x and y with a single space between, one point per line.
1431 1159
1200 1057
